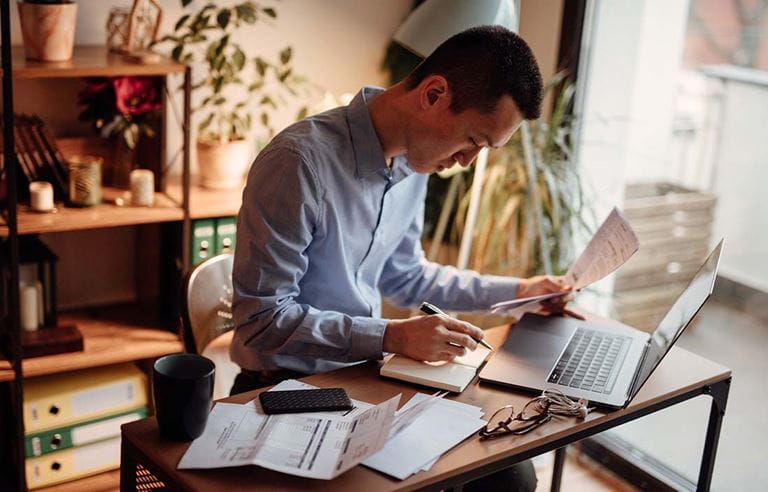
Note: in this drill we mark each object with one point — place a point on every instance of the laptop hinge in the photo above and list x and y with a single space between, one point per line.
632 387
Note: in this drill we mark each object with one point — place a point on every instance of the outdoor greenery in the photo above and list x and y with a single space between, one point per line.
232 78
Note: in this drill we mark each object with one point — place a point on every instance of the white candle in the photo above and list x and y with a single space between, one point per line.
41 196
142 188
29 308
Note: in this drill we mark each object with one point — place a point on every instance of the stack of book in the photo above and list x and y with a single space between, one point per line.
72 421
38 155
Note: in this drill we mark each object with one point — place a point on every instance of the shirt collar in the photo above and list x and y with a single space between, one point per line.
365 143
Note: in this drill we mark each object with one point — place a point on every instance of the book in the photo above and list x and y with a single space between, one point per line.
79 434
203 240
72 463
450 376
58 400
226 227
38 156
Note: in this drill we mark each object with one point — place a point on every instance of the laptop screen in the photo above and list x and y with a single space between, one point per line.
679 315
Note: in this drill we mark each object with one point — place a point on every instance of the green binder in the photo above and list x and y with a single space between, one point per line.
80 433
203 240
225 235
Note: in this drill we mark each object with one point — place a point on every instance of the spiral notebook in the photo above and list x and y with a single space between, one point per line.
450 376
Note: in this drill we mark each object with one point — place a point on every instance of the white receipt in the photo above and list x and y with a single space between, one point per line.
611 246
314 445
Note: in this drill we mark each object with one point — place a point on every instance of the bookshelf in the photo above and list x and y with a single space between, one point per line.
107 214
111 334
205 203
109 337
88 61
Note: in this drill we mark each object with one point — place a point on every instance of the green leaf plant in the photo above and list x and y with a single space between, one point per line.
235 86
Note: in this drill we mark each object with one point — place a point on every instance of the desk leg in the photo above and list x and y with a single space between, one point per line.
557 469
127 468
719 393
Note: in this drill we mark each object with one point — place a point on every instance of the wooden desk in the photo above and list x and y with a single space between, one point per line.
681 376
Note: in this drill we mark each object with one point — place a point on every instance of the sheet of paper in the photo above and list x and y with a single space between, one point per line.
229 438
514 303
438 429
408 414
611 246
323 446
314 445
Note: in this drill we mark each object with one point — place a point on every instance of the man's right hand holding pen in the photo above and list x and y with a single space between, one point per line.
431 338
438 337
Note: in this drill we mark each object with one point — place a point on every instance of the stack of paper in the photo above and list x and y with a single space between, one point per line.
439 427
315 445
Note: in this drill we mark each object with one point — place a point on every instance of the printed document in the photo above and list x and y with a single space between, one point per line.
313 445
436 429
611 246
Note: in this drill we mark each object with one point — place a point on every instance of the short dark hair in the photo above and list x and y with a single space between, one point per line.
481 65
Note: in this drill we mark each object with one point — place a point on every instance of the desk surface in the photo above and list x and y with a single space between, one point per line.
679 372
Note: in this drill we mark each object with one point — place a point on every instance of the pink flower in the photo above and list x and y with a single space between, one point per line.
136 95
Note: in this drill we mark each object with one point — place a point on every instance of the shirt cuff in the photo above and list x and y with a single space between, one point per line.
367 338
499 289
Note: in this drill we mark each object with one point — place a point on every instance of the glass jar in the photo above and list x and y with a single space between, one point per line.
85 180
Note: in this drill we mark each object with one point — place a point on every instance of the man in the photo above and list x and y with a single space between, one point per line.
332 217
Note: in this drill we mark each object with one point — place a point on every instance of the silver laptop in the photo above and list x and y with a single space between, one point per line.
605 363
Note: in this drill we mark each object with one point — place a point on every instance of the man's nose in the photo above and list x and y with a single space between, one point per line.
469 157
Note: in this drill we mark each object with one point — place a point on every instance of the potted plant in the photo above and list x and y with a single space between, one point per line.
232 82
125 109
48 29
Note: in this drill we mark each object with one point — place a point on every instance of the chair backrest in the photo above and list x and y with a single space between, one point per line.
206 306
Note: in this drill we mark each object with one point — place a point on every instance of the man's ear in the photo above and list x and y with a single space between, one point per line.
434 92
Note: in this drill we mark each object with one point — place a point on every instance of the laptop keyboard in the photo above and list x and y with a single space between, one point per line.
591 361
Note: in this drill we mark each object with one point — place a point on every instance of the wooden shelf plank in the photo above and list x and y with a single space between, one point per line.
108 481
107 214
110 335
89 61
207 203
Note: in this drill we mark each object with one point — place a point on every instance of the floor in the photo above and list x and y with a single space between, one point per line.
580 474
739 341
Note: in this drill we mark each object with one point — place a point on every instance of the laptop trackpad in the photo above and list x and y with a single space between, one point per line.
538 346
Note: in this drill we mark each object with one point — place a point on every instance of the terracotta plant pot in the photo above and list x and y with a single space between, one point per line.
48 30
222 165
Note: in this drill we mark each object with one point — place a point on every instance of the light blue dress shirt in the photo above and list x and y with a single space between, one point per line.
325 230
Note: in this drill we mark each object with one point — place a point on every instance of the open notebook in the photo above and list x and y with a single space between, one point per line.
449 376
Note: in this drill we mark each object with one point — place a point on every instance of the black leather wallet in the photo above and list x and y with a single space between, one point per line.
309 400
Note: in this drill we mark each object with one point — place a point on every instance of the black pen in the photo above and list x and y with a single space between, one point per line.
432 309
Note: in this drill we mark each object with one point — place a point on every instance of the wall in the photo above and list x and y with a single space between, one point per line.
540 22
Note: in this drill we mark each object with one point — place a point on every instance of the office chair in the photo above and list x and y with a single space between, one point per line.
206 317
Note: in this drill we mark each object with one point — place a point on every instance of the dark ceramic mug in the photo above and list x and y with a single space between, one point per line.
182 387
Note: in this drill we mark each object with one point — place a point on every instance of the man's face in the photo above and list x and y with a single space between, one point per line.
442 138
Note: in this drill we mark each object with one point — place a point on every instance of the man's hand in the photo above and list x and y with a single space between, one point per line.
427 338
547 284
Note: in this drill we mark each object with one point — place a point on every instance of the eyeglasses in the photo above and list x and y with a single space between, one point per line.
535 413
